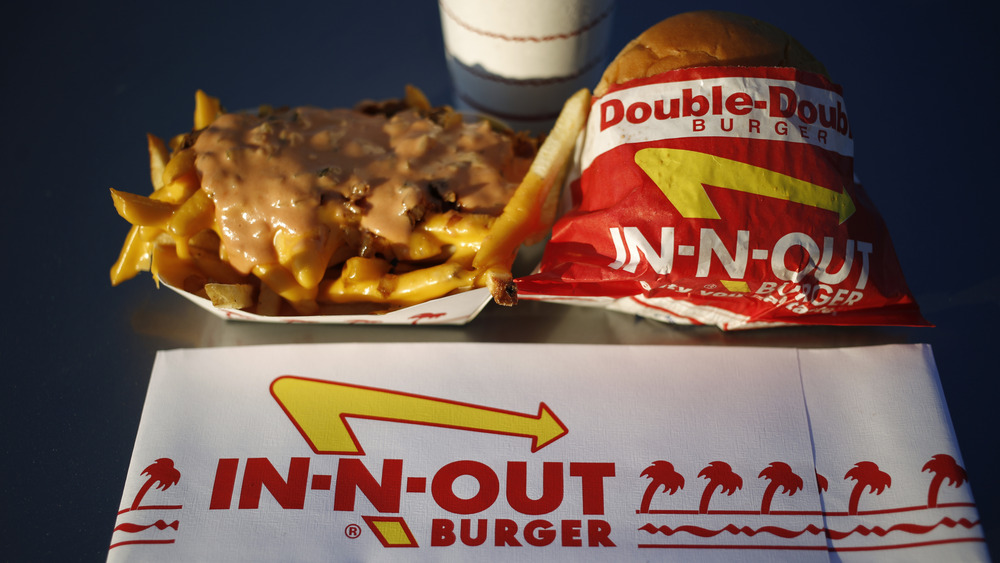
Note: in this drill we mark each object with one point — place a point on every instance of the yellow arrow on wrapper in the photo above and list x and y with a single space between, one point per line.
681 175
320 410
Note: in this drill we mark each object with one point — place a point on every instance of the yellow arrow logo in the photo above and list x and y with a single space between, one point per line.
682 174
321 409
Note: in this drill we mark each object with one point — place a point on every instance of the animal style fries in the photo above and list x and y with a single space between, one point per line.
321 212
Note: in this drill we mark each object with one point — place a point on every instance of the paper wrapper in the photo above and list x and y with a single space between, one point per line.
521 452
724 196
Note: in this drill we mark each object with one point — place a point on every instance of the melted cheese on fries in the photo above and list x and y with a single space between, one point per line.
309 211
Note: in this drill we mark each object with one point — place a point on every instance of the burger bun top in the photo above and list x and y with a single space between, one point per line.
706 38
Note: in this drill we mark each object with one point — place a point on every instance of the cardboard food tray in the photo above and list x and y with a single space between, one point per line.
457 309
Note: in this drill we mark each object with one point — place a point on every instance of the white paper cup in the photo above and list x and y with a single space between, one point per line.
519 60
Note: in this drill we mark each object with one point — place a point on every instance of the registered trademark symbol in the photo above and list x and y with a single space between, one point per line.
352 530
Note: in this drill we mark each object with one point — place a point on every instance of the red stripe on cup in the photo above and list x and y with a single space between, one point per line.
527 38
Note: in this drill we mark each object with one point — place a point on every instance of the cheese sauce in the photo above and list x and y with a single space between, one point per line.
307 171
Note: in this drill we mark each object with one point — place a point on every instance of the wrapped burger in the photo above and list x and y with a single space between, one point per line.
714 184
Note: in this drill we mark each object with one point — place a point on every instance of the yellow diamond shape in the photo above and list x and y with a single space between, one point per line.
391 531
736 286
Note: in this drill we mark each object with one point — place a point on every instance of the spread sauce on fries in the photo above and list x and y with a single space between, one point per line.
308 172
324 212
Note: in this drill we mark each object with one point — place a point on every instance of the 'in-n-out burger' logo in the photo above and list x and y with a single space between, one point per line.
816 283
385 489
321 410
814 267
631 247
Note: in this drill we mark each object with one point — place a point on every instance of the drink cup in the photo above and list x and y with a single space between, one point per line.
519 60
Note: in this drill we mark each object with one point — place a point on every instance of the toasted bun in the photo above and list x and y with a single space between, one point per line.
706 38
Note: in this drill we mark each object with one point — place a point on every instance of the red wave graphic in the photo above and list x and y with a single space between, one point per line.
152 507
140 542
131 528
732 529
811 529
902 527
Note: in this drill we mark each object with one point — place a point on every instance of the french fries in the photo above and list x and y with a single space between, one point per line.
230 296
177 235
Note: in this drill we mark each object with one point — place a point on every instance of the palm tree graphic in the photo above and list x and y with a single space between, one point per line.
821 483
867 475
663 475
720 476
781 477
943 466
162 471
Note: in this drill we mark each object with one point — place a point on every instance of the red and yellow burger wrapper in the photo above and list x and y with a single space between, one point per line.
724 196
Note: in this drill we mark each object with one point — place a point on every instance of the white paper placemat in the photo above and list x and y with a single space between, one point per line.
520 452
